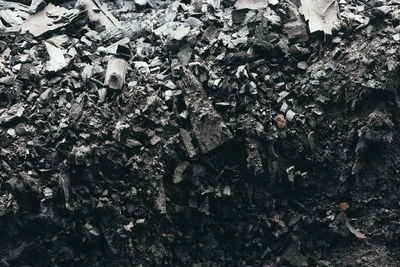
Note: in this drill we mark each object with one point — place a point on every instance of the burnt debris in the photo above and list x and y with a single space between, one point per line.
199 133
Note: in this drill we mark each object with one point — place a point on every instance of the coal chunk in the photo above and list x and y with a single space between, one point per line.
296 31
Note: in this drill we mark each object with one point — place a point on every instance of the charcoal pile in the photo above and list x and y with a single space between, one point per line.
199 133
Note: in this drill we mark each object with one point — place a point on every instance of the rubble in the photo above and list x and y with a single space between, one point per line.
12 114
57 60
181 171
97 14
296 31
321 15
254 161
48 19
251 4
207 126
187 141
199 133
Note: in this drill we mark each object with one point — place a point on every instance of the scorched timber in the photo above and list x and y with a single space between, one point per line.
208 128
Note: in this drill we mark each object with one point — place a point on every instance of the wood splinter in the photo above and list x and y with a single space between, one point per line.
115 74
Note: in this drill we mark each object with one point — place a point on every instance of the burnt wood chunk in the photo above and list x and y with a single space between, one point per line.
208 128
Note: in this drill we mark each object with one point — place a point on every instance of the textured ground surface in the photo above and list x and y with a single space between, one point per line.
197 161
